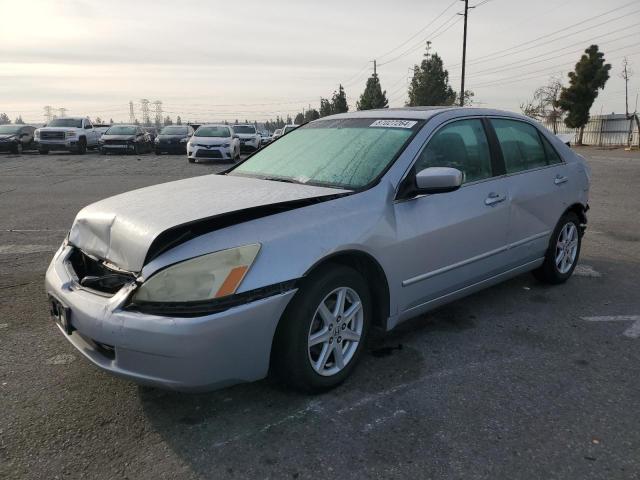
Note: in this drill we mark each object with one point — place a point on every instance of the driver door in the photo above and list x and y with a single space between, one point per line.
452 240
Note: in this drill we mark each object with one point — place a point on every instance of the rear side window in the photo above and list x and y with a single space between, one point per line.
521 146
552 155
463 145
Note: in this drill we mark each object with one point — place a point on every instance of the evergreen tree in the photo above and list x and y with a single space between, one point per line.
4 119
98 120
325 107
19 120
299 120
168 121
111 121
289 120
339 101
178 120
590 75
430 83
373 96
311 115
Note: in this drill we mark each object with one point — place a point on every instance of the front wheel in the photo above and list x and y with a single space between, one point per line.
82 147
324 330
563 252
18 149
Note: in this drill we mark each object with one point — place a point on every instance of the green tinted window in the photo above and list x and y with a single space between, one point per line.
348 153
462 145
521 145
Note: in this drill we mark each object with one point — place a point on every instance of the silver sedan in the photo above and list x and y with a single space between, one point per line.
286 261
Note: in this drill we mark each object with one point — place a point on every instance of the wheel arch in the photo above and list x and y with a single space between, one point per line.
373 274
581 211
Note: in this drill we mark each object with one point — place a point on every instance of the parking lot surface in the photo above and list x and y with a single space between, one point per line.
522 380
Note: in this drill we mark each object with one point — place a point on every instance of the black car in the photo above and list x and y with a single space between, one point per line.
173 139
125 139
16 138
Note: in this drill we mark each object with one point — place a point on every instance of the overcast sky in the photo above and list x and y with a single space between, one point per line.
212 60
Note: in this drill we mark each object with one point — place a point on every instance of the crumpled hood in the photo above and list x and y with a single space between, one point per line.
117 137
121 229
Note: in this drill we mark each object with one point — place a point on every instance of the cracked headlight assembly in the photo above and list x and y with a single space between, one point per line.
210 276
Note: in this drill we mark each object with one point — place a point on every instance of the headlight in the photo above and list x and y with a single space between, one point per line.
100 141
157 140
70 134
207 277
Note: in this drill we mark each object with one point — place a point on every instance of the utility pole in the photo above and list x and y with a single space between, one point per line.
62 112
132 116
48 113
144 106
375 68
464 50
625 75
158 110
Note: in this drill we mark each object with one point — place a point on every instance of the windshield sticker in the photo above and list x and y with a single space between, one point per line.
394 123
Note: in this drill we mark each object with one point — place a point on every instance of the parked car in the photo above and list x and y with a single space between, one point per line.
173 139
277 134
73 134
265 139
16 138
217 142
289 128
250 139
287 260
126 139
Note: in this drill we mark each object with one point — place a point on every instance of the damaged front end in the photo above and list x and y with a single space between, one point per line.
97 275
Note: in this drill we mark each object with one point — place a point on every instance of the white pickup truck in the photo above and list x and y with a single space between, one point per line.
73 134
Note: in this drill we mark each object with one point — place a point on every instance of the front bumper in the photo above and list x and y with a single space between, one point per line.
118 148
196 152
8 146
200 353
249 146
52 145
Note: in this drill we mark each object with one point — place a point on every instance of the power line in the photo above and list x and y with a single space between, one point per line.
419 32
542 37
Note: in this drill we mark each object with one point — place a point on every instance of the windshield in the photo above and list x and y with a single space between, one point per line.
9 128
174 131
348 153
66 122
121 130
244 129
213 131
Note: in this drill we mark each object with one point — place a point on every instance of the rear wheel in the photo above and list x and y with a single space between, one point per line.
324 330
82 146
563 252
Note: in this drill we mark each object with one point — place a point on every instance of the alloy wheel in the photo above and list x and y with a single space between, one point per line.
335 331
566 248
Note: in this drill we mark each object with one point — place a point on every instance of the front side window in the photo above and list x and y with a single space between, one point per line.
348 153
461 144
521 146
213 131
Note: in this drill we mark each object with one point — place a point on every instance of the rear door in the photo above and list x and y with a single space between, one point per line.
451 240
538 181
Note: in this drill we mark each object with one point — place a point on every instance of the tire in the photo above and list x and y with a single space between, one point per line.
18 149
136 149
82 146
157 152
316 368
563 252
103 151
43 151
191 160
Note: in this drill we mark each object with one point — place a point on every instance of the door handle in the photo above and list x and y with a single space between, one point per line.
559 180
494 198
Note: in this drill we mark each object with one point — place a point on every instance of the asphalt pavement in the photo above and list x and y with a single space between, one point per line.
520 381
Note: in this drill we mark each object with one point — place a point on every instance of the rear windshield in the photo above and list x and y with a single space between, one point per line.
121 130
223 132
348 153
65 122
174 131
244 129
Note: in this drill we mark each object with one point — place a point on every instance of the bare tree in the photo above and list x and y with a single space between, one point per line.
544 103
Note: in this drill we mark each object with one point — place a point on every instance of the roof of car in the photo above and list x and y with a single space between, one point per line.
418 113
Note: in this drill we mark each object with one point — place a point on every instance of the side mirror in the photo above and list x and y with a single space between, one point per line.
438 180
